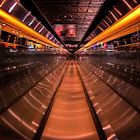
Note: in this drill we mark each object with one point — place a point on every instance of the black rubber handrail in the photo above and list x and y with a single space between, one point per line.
95 117
15 100
45 118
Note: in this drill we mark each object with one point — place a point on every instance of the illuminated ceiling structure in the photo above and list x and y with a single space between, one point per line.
79 12
110 13
90 17
13 13
126 25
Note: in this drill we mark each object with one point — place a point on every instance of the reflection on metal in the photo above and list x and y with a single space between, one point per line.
38 101
35 123
11 126
70 111
111 137
120 119
29 102
20 120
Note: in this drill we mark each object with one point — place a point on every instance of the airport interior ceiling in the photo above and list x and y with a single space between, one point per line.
69 70
78 12
69 18
76 22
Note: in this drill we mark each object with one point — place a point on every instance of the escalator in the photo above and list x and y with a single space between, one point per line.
70 117
56 108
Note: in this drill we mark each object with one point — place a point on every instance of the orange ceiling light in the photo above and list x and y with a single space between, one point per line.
11 20
119 29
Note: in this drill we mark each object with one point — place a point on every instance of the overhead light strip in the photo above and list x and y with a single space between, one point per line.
11 20
131 18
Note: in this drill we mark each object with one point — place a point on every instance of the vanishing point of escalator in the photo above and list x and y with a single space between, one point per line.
70 117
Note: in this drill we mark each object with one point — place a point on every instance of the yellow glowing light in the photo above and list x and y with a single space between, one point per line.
9 19
121 26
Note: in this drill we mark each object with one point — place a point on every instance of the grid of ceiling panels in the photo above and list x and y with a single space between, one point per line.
79 12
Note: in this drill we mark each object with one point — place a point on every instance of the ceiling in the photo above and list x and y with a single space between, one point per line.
78 12
90 17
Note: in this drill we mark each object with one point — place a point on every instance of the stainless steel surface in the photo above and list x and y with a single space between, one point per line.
70 117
